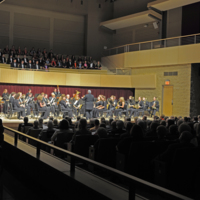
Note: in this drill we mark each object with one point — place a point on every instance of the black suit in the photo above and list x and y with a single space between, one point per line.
18 60
70 65
91 66
10 60
25 61
64 64
5 105
37 66
17 107
41 62
89 99
65 107
14 65
3 60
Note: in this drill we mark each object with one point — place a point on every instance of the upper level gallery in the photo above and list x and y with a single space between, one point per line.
169 51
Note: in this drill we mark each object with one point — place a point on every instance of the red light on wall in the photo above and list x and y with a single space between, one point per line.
167 82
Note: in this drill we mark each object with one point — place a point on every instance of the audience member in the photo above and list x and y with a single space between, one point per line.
1 132
101 132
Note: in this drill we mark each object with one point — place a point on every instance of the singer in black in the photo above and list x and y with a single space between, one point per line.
19 107
89 101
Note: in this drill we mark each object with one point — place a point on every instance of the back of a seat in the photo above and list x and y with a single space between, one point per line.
105 152
82 144
34 133
141 155
124 145
183 171
63 138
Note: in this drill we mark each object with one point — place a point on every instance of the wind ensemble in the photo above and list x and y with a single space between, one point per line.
57 103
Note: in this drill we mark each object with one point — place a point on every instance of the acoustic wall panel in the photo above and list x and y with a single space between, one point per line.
31 31
4 28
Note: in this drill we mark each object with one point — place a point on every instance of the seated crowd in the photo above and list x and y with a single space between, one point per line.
41 59
138 145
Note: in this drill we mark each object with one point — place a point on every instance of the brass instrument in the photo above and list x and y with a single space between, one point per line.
117 107
154 105
129 102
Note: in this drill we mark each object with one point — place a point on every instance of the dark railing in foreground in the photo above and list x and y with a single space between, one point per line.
134 182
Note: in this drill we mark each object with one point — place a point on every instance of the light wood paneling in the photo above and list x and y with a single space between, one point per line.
49 78
73 80
89 80
116 81
8 76
26 77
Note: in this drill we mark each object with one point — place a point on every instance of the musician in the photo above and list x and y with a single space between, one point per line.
55 92
53 104
154 106
120 107
19 107
70 64
140 106
14 64
42 107
29 92
77 105
5 98
145 104
65 106
112 104
29 102
22 101
46 100
97 105
12 98
103 107
131 108
43 100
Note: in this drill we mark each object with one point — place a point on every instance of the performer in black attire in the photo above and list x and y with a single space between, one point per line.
97 106
12 98
120 107
140 107
55 92
64 106
77 105
42 107
131 110
19 107
89 99
154 107
5 96
29 92
53 104
103 106
30 104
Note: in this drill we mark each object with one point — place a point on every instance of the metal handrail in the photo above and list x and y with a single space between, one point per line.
154 41
133 181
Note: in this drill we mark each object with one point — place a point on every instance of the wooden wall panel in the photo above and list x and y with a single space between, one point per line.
143 81
26 77
73 80
116 81
89 80
8 76
49 78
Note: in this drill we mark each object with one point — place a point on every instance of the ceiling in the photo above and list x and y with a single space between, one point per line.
132 20
164 5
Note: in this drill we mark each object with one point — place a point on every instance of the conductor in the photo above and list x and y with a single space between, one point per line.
89 99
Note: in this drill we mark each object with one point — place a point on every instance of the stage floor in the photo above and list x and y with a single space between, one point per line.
14 122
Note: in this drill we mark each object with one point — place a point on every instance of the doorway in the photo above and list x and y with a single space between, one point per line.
167 106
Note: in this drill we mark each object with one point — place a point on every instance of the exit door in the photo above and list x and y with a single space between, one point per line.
167 100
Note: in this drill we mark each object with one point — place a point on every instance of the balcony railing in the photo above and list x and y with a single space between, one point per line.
154 44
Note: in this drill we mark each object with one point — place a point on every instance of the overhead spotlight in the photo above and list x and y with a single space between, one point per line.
1 1
99 5
81 2
71 1
146 25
